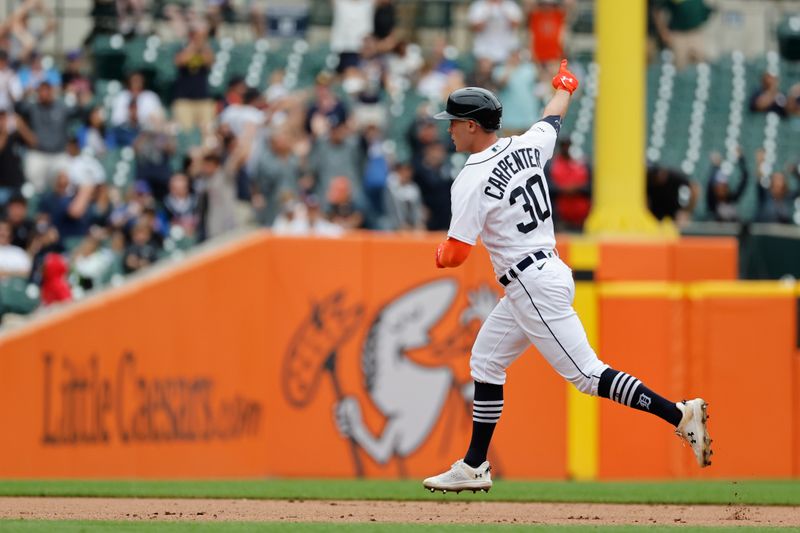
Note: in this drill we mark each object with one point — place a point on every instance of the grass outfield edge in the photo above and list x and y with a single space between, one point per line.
731 492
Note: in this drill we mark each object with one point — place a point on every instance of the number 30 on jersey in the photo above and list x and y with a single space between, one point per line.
533 197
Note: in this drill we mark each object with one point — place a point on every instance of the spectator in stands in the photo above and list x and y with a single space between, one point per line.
352 21
182 17
546 22
720 199
402 65
142 250
257 13
14 261
681 25
776 202
570 189
45 240
12 144
431 82
433 173
793 100
376 170
126 213
131 16
22 227
83 168
403 200
768 97
277 92
342 208
180 206
291 210
126 133
335 154
671 194
91 262
147 103
101 208
158 227
218 185
33 73
365 83
66 207
25 37
325 108
10 86
236 116
384 25
494 24
48 119
275 168
193 106
244 192
74 79
482 75
234 94
306 218
93 134
423 132
54 285
516 81
154 148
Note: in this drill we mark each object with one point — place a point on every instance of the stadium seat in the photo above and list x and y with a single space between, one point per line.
18 296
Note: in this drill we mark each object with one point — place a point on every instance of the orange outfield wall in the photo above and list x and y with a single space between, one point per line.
642 335
687 259
234 364
735 345
250 359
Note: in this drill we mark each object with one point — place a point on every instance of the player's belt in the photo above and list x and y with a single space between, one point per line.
512 274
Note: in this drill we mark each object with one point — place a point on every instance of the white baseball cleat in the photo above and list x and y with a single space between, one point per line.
460 477
693 429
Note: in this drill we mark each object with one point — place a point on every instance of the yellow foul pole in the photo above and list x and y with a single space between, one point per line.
619 203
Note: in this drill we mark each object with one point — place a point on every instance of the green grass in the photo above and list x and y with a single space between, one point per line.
750 492
41 526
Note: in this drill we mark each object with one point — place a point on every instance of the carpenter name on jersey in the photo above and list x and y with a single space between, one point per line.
504 170
501 196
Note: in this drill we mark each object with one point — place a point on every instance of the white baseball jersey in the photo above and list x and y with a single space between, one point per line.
502 196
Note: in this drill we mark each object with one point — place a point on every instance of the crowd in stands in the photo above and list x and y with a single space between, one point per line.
300 160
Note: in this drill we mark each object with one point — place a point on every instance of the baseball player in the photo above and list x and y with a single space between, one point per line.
501 195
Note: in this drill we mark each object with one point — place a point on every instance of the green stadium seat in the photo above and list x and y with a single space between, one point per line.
109 56
18 296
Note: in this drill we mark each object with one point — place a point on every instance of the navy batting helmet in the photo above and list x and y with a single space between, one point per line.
473 103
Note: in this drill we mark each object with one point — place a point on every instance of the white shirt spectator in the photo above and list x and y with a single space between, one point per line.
148 104
352 21
13 259
295 220
498 37
85 169
10 89
237 116
403 203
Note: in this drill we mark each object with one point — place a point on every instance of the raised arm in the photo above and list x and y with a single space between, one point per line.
565 83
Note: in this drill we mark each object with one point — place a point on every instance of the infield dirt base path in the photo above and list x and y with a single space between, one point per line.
453 512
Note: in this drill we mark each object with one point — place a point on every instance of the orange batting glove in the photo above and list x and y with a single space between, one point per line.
565 79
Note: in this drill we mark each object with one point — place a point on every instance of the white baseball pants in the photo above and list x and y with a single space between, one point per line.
537 309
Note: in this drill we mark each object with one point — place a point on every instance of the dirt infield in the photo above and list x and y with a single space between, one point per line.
454 512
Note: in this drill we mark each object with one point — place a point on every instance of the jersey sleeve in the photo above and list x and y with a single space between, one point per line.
544 134
468 212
